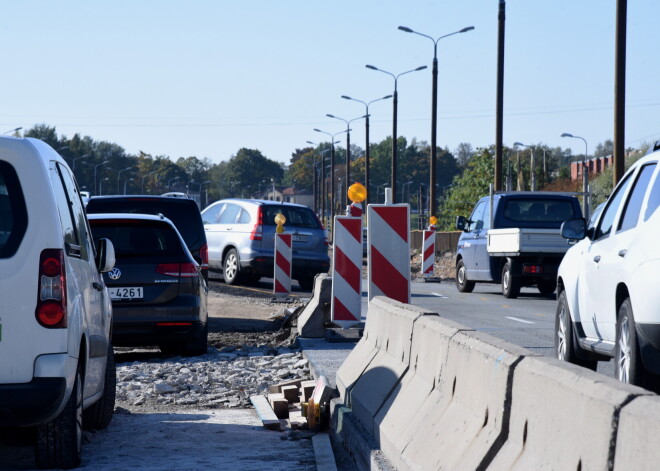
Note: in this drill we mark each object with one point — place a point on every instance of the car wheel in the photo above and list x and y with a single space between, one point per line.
231 267
306 283
98 415
510 283
546 287
564 336
462 283
59 442
628 367
199 345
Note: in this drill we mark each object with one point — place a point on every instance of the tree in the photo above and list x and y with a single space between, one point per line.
604 149
464 153
248 169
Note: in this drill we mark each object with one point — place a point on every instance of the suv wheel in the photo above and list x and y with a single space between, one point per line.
462 283
564 336
99 414
59 443
231 267
628 366
510 283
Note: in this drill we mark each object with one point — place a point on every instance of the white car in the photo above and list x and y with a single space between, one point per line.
608 294
56 356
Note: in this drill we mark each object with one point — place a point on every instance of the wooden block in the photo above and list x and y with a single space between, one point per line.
298 423
278 387
307 388
279 404
265 413
290 393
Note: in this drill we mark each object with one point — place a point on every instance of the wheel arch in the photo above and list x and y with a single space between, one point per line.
622 293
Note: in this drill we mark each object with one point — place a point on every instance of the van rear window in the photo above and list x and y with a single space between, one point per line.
295 216
137 239
13 212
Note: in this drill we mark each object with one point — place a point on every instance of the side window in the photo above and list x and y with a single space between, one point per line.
230 214
63 208
13 212
654 199
210 216
477 217
78 213
243 217
607 220
634 204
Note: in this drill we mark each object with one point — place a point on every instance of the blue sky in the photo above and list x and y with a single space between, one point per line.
206 78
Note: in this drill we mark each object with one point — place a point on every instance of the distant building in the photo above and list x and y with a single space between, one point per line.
595 166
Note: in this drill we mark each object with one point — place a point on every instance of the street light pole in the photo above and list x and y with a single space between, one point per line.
332 170
145 177
95 167
366 123
125 182
11 131
206 193
119 176
531 164
348 149
395 102
74 162
585 172
434 108
101 185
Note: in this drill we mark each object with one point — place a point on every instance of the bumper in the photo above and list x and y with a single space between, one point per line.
301 268
32 403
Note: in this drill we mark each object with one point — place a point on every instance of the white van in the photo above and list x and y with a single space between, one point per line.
56 357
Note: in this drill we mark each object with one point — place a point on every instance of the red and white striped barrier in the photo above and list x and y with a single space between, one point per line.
428 253
282 277
388 246
346 304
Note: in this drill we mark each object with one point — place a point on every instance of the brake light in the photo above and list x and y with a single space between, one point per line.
532 269
178 270
258 229
51 299
204 255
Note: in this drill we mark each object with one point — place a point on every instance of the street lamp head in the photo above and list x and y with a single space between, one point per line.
310 142
317 130
330 115
371 67
420 68
386 97
406 29
565 134
466 29
516 144
345 97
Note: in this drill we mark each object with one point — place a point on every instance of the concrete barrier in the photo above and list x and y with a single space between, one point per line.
404 411
637 435
562 417
393 321
313 319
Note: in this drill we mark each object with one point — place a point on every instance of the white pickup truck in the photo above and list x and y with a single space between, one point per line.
514 238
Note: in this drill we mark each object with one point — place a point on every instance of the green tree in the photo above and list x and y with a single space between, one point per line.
247 170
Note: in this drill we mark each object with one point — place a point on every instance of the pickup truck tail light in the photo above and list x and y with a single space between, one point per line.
179 270
258 229
532 269
51 300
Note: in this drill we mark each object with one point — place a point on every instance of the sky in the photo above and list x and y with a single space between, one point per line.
205 78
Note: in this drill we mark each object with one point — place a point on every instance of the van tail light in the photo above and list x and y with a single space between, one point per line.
178 270
532 269
51 300
204 255
258 229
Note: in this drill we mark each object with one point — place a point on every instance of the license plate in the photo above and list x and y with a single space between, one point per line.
126 293
300 237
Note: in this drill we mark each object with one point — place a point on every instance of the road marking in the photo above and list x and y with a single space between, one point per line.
439 295
520 320
505 305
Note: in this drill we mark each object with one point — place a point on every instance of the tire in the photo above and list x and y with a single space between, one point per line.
628 367
99 415
59 442
169 349
462 283
231 267
510 283
306 283
546 287
565 337
199 345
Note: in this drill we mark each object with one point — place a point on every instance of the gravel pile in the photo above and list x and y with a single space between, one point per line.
225 378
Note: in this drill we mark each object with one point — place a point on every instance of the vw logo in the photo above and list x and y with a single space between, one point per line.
114 274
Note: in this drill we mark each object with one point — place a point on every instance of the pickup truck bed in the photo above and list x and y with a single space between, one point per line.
515 241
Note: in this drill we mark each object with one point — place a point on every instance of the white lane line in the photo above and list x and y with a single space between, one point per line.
439 295
520 320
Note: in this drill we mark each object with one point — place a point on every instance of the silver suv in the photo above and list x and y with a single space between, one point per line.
240 236
56 356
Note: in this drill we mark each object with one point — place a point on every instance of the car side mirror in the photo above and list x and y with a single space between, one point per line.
460 223
575 229
105 255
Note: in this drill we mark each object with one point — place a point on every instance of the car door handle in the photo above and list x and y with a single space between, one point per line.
97 286
597 258
623 252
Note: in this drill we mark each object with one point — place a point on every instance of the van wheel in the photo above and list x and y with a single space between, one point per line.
59 442
546 287
510 283
99 414
628 367
231 267
462 283
564 336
